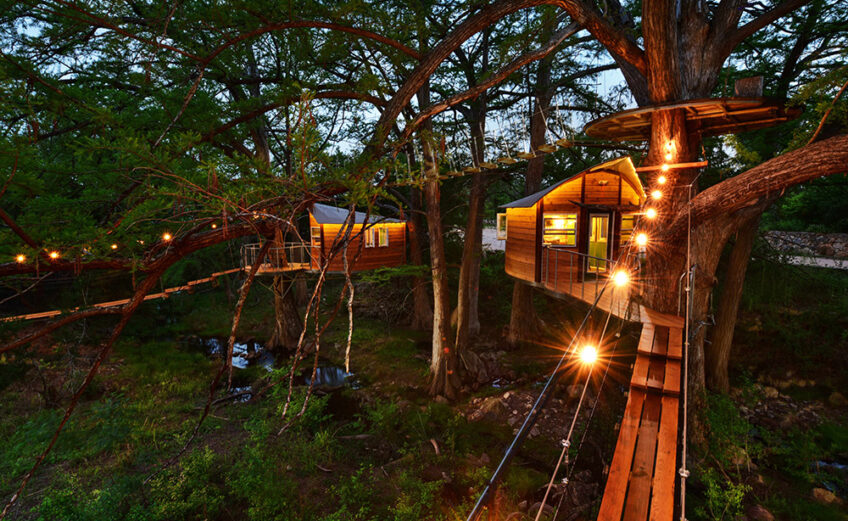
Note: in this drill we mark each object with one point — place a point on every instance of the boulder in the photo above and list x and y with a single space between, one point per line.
759 513
826 497
837 399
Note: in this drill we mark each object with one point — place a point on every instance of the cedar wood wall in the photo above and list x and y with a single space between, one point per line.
371 258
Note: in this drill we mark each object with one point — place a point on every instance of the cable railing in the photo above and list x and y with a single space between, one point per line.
566 270
289 256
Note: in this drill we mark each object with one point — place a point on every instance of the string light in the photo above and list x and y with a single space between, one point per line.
668 156
621 278
664 167
662 179
114 246
642 239
214 226
166 236
20 258
589 354
54 254
656 194
650 213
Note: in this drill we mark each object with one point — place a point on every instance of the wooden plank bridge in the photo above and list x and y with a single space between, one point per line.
641 481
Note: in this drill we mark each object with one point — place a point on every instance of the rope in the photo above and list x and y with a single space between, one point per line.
683 471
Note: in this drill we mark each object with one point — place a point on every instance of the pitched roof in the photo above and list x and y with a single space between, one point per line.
326 214
623 166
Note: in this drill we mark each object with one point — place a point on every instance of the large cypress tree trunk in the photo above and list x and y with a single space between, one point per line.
469 271
287 322
718 356
422 310
443 363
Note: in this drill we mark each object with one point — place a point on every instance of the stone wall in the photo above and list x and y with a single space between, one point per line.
834 245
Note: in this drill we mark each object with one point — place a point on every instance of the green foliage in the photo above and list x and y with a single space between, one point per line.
724 499
193 491
729 431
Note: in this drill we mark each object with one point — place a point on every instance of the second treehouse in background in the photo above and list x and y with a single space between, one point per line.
564 238
384 244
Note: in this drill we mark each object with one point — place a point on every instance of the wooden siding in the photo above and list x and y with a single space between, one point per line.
602 188
371 258
521 243
564 197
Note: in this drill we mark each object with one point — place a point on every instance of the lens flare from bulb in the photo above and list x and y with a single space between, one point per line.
621 278
664 167
20 258
54 254
656 194
650 213
589 354
166 236
662 179
668 156
114 246
642 239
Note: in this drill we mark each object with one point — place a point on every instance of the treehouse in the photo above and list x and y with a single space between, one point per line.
383 242
564 239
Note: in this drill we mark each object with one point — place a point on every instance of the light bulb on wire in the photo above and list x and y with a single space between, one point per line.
114 246
650 213
662 180
166 236
664 167
656 194
621 278
588 354
54 254
642 239
20 258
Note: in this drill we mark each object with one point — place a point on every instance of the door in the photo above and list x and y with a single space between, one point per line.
598 242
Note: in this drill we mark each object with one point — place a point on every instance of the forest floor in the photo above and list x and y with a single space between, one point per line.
376 446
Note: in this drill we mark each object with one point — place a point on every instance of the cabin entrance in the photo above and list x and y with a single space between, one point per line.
598 242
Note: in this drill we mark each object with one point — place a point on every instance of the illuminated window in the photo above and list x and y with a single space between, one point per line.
501 226
315 235
627 222
383 235
370 236
560 229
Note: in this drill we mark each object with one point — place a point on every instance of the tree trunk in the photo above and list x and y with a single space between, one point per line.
718 355
287 322
422 312
469 271
443 364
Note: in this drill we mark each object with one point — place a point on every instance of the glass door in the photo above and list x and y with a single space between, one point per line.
598 242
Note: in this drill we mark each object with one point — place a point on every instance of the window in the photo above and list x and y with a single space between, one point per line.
627 222
500 225
315 235
560 229
377 235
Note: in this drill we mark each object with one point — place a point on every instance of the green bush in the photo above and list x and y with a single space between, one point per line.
190 491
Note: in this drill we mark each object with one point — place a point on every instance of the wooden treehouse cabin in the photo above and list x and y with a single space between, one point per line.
564 239
383 243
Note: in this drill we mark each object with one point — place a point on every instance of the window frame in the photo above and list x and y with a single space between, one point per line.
501 223
382 233
315 235
569 232
369 237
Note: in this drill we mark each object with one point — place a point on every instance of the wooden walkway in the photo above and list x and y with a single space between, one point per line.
642 476
113 303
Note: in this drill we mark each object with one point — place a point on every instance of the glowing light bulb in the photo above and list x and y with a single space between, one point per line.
20 258
214 226
114 246
668 156
166 236
650 213
641 239
621 278
669 146
54 254
662 179
588 354
656 194
664 168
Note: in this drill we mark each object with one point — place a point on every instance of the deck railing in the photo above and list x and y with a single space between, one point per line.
566 270
289 256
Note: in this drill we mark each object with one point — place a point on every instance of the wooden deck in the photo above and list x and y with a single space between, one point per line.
642 476
267 268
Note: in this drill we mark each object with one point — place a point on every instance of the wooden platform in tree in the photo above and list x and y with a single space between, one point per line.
642 477
708 117
612 299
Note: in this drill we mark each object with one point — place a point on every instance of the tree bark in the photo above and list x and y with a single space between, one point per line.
443 364
287 321
422 312
718 355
